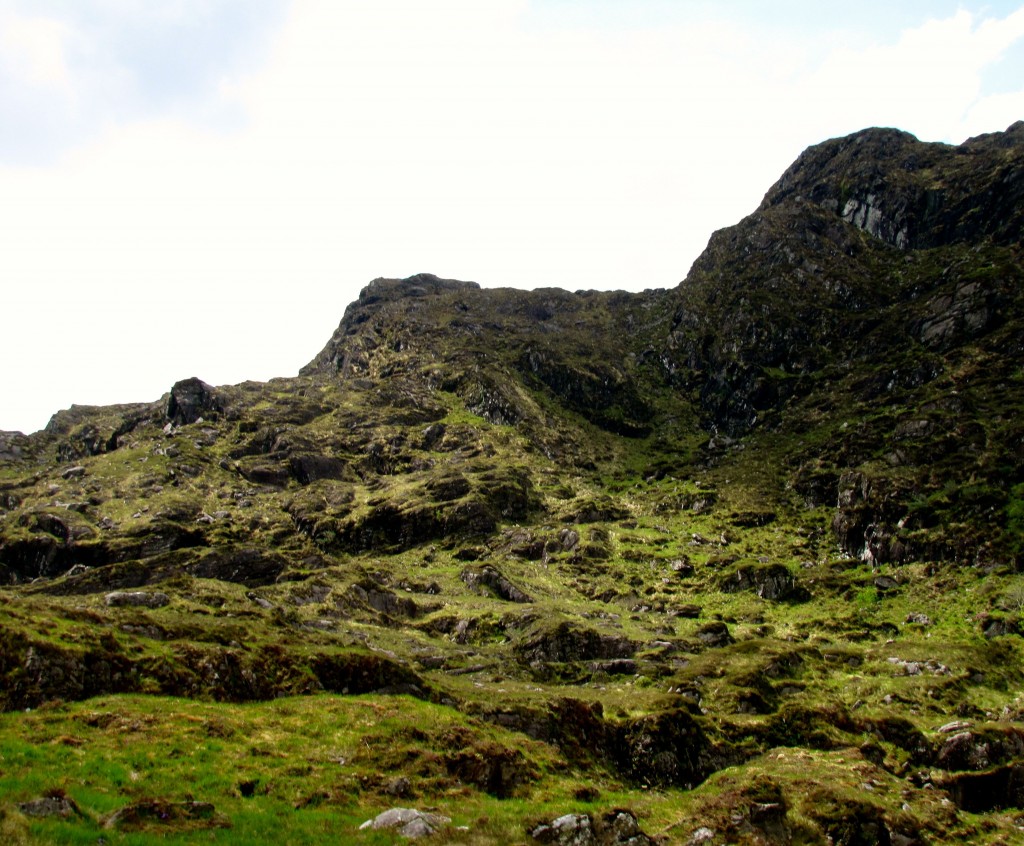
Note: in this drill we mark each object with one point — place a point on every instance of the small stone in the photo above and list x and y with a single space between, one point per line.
398 787
701 835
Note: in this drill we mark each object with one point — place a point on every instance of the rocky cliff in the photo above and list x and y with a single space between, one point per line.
753 542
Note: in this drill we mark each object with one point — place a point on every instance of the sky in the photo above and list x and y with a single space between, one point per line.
200 187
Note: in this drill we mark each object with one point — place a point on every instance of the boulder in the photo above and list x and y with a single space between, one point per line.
191 399
408 822
715 633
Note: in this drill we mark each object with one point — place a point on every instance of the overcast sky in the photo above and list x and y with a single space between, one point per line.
200 187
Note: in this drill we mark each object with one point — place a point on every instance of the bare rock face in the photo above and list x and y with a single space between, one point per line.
668 749
883 181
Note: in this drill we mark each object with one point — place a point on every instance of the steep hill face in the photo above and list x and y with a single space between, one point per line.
753 541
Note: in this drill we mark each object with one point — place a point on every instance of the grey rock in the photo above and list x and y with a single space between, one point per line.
700 836
491 579
567 830
714 634
398 786
955 726
136 598
408 822
49 806
621 828
885 583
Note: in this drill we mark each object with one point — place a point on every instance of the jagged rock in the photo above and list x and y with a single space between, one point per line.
245 566
408 822
615 667
774 582
969 749
382 600
668 749
191 399
491 579
621 828
567 830
433 434
568 643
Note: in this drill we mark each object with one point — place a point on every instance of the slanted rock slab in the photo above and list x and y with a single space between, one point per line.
137 598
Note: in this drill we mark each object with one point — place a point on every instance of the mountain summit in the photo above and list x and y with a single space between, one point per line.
741 557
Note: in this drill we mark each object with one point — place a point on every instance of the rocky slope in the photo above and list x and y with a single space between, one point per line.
742 556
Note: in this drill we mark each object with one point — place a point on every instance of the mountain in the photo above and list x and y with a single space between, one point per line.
733 562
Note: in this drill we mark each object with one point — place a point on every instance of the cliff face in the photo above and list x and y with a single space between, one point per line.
695 525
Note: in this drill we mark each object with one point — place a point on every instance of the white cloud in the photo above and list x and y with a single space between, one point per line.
456 137
33 51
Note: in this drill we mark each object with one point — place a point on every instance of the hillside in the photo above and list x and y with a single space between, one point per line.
736 562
